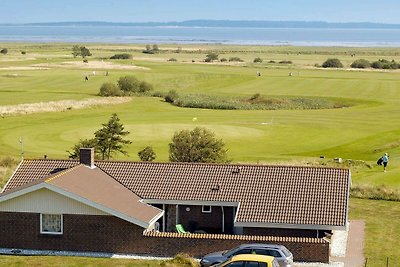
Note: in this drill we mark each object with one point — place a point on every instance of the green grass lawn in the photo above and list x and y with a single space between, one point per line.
59 261
362 132
382 233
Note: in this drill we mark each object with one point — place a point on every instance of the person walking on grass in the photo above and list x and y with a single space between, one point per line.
385 160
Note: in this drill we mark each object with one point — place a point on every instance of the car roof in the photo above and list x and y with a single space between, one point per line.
252 257
262 246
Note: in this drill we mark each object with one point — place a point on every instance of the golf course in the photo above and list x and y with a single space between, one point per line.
47 105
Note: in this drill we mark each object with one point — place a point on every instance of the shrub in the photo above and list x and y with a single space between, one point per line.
211 57
85 60
332 63
223 59
182 260
4 51
172 59
255 97
145 87
272 61
377 65
121 56
257 60
147 154
235 59
109 89
23 52
361 64
285 62
128 84
171 96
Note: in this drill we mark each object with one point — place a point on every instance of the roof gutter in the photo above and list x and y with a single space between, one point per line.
290 226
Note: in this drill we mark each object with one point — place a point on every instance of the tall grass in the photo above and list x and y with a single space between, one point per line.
381 192
257 102
7 165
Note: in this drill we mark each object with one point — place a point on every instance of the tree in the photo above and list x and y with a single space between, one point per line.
211 57
83 143
76 51
147 154
85 52
80 51
109 139
332 63
198 145
4 51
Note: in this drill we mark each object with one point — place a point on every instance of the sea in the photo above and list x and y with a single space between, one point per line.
203 35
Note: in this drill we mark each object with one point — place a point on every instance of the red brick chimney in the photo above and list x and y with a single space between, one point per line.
86 157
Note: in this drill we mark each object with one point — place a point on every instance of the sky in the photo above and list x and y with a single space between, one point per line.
30 11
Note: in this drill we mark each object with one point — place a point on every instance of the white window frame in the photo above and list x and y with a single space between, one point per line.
51 233
206 211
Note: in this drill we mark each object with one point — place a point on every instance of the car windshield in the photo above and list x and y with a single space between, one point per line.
229 252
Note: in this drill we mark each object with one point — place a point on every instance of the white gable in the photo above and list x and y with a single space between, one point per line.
47 201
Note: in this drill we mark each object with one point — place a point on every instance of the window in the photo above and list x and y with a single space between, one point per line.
252 264
206 209
235 264
268 252
242 251
51 224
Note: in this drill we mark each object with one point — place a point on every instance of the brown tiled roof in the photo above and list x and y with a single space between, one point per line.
267 194
97 186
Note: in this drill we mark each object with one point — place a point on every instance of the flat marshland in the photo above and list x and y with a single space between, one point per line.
364 125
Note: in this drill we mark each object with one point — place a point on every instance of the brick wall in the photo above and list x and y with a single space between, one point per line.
110 234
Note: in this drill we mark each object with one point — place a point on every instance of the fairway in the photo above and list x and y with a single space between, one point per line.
364 131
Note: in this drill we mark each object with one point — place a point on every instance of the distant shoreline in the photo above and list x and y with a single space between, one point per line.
223 23
115 34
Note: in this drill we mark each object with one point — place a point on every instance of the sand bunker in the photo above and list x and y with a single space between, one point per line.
90 65
63 105
25 68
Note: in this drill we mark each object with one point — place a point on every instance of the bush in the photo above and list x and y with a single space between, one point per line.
223 59
377 65
23 52
257 60
171 96
272 61
385 64
332 63
109 89
4 51
85 60
285 62
145 87
211 57
121 56
147 154
182 260
361 64
235 59
128 84
172 59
